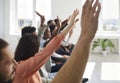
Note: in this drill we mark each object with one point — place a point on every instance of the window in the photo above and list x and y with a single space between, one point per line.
44 8
110 15
109 20
22 13
25 13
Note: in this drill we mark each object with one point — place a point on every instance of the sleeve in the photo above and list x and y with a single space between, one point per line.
30 66
41 31
56 55
65 43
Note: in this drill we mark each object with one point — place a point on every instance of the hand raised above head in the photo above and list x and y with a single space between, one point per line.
89 18
41 17
73 17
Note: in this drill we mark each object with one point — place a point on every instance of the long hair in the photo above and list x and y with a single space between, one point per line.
27 47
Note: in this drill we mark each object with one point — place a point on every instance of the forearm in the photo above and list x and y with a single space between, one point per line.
67 30
64 24
30 66
56 55
74 68
41 30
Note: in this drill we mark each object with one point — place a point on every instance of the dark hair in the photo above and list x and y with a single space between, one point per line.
28 29
27 47
3 44
56 20
49 22
51 26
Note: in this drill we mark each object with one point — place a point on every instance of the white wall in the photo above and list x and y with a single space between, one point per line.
1 18
11 39
64 8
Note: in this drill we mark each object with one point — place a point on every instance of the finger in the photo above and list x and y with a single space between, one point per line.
84 6
93 9
38 14
58 18
77 20
98 11
89 6
76 12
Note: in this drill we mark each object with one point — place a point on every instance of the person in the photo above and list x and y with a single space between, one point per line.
55 29
25 71
73 69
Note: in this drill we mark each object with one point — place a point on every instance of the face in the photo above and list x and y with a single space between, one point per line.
47 34
7 65
53 27
35 33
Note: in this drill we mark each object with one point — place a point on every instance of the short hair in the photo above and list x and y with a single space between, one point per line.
28 29
3 44
56 20
27 47
49 22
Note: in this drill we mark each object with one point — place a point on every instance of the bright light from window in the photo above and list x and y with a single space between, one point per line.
110 9
44 8
110 71
25 13
25 9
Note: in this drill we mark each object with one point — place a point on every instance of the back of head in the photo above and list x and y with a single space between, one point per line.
49 22
27 47
3 44
28 29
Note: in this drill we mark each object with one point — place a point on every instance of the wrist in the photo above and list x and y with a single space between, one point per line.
85 39
42 24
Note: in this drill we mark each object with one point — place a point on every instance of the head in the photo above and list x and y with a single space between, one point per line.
57 20
52 25
47 34
28 29
27 47
7 63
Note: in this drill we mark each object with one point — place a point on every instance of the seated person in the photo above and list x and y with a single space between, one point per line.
55 27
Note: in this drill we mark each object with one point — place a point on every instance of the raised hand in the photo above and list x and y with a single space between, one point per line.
42 18
73 17
68 19
58 23
89 19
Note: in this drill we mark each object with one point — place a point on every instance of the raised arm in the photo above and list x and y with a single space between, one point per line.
30 66
65 23
42 27
72 71
65 43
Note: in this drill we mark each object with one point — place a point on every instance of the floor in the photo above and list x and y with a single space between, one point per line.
103 69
